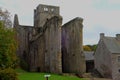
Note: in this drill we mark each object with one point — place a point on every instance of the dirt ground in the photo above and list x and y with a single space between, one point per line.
88 76
97 79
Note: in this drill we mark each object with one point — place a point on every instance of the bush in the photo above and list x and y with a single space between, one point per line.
8 47
8 74
23 64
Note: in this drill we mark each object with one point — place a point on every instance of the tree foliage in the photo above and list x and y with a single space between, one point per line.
5 17
90 47
8 45
86 48
8 74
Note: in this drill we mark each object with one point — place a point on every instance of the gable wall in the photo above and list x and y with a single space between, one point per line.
103 60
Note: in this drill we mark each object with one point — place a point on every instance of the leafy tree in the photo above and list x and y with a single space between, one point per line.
8 74
86 48
5 17
8 45
92 47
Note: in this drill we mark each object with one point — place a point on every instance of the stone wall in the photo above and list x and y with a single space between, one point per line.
36 54
22 37
53 45
73 59
115 66
45 48
103 60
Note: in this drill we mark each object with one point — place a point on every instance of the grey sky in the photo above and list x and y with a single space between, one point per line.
100 16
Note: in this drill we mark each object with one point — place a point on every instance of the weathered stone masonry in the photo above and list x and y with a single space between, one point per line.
49 46
72 51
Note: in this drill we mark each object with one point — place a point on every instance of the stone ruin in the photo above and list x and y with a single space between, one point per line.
49 46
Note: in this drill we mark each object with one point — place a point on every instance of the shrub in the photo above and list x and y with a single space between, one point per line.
8 74
23 64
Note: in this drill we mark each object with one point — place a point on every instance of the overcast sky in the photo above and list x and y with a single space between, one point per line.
100 16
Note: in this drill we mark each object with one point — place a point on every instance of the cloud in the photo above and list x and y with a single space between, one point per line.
107 4
99 15
24 9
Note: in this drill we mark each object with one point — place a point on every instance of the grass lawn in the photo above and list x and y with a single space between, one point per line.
22 75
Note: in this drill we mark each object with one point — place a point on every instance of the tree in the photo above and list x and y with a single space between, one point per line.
90 47
8 45
86 48
5 17
94 47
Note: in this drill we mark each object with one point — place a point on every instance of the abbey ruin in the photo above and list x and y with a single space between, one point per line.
49 46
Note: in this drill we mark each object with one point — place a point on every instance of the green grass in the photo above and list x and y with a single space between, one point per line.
23 75
20 70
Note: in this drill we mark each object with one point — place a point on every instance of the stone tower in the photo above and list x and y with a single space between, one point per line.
44 12
45 48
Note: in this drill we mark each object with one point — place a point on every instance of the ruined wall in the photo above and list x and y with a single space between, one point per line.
37 54
53 45
73 59
45 44
45 48
103 60
22 37
18 36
